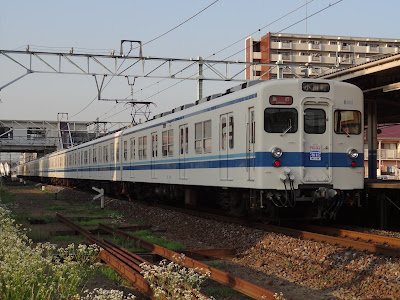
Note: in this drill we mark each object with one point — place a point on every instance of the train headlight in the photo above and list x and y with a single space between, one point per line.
352 153
276 152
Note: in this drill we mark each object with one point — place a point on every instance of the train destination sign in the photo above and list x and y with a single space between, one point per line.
316 87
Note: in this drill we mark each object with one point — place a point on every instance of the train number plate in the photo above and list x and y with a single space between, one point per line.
315 152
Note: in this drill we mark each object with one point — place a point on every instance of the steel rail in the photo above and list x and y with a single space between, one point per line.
126 267
240 285
362 246
390 241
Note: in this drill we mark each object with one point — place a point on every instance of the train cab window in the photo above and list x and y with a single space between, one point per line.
125 150
347 122
280 120
314 121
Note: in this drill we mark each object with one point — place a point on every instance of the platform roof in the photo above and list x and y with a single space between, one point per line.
380 81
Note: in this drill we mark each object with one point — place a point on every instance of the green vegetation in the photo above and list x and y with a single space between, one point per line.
147 235
29 272
5 196
56 207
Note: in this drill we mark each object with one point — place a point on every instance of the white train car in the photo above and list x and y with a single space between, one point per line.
275 144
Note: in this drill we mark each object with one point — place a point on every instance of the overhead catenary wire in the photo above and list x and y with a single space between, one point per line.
293 24
232 44
152 40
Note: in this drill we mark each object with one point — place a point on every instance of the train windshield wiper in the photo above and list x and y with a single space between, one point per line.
287 129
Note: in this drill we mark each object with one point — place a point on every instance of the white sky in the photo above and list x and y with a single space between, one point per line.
102 24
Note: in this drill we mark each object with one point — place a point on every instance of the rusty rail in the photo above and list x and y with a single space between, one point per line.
240 285
358 245
390 241
124 262
126 266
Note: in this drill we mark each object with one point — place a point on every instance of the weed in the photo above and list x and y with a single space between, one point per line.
56 207
149 236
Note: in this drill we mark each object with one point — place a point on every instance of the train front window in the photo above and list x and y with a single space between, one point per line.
314 121
280 120
347 122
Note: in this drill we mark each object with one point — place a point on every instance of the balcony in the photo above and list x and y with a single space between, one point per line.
389 154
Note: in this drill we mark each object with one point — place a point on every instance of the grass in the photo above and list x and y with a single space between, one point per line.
147 235
5 196
68 238
56 207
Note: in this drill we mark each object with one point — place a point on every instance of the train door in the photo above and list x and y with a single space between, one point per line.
250 144
183 150
133 156
317 140
226 144
154 153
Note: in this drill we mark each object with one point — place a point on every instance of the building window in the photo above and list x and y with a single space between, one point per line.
256 46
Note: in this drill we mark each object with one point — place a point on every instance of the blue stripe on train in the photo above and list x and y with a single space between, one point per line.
262 159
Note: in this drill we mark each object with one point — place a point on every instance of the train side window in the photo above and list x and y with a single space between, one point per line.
125 150
198 137
105 153
145 147
94 155
154 144
112 152
223 133
168 142
207 136
142 148
203 137
314 121
117 151
231 131
280 120
347 122
133 152
100 154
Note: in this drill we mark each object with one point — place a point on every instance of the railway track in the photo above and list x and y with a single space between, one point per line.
127 264
345 238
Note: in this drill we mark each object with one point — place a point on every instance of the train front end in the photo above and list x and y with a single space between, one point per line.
313 144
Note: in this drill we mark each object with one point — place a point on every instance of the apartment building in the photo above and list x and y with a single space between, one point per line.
388 153
322 53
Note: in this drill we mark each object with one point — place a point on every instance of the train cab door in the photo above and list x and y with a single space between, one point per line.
225 144
317 140
183 150
154 153
250 144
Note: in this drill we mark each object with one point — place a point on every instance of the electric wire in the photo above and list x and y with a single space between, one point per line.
161 35
258 30
293 24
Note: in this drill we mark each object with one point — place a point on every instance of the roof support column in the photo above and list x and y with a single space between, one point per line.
372 139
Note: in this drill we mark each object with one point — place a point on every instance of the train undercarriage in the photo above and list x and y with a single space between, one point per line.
270 205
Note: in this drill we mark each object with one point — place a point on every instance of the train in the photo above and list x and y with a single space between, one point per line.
277 148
